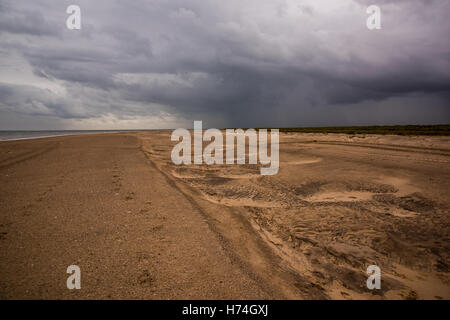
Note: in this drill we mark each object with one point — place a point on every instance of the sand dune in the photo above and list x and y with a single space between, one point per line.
339 204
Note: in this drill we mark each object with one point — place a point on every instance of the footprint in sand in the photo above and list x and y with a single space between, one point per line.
130 196
145 279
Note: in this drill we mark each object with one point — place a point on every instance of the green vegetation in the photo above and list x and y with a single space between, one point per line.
431 130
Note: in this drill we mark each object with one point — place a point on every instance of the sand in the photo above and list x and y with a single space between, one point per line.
141 227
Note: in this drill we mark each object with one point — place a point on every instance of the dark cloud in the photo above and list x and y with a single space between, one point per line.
229 63
24 21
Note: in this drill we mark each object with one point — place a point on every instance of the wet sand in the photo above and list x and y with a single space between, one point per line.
140 227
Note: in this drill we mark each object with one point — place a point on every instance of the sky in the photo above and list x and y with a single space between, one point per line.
148 64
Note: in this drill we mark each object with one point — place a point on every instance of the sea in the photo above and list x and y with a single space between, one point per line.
23 135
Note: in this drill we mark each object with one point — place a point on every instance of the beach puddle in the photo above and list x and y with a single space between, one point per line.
344 196
304 161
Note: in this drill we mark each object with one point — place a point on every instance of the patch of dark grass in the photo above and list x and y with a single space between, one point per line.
422 130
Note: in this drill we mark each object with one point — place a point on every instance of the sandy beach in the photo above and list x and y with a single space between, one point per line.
141 227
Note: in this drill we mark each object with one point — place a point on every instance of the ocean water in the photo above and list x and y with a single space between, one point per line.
22 135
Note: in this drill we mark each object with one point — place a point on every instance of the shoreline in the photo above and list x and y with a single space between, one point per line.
75 133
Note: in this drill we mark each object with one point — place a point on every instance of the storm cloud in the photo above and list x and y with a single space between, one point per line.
254 63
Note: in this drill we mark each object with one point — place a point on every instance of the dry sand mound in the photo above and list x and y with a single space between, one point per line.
338 205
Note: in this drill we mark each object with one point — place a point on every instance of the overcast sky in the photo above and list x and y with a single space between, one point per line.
240 63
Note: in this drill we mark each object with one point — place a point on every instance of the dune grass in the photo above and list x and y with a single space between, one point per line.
426 130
